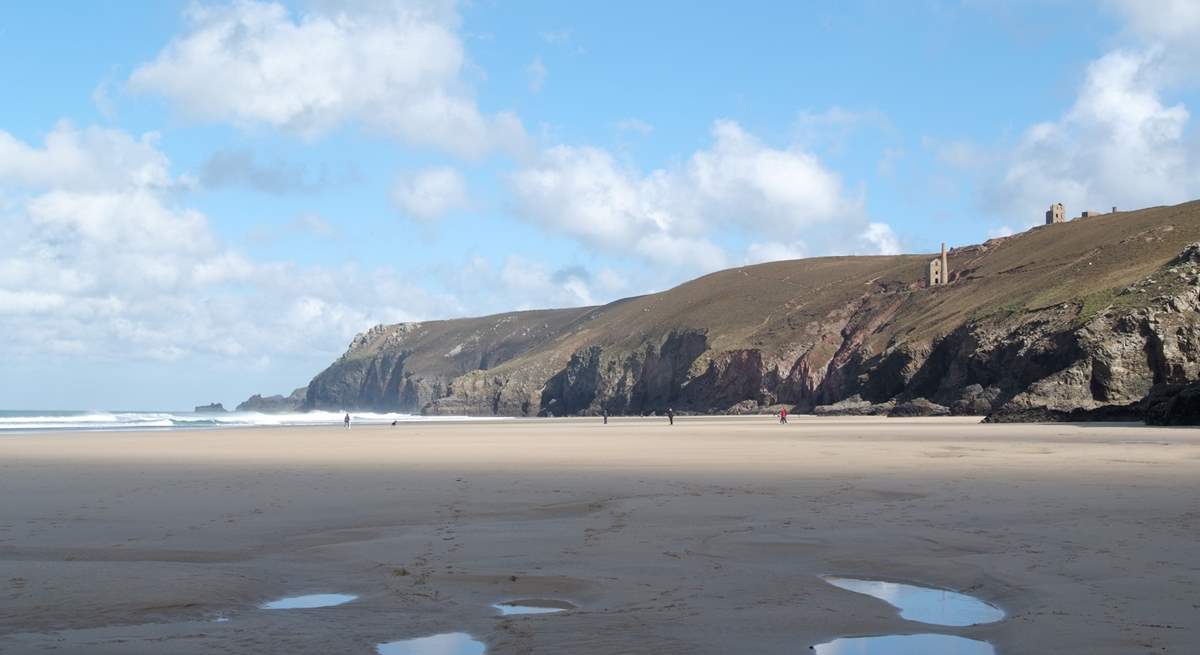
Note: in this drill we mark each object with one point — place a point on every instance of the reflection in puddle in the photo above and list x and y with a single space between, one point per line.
923 604
905 645
308 602
454 643
533 606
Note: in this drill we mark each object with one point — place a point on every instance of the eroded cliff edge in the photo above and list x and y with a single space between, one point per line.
1075 315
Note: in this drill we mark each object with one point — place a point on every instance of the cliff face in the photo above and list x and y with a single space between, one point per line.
1081 314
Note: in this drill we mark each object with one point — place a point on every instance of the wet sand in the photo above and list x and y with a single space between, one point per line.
705 537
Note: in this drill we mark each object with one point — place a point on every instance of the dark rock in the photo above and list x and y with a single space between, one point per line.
275 404
855 406
1190 255
1104 413
919 407
975 401
214 408
1173 404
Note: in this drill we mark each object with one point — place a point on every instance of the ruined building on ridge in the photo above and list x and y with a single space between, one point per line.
939 270
1056 214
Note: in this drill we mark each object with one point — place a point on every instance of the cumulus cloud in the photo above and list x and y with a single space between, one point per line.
1119 144
1124 141
1174 21
671 216
879 239
395 67
103 261
774 251
431 193
89 159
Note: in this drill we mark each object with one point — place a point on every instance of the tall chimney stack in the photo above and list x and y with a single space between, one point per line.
945 266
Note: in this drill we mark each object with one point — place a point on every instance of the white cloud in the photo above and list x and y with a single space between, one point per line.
92 158
540 288
1124 142
879 239
431 193
515 283
1119 144
774 251
104 263
1176 21
395 67
670 216
536 71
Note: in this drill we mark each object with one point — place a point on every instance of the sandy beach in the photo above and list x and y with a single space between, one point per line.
705 537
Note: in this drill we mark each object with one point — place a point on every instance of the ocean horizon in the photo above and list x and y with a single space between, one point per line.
40 420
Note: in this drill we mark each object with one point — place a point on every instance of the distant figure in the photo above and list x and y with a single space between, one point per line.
606 416
393 423
671 416
783 416
346 420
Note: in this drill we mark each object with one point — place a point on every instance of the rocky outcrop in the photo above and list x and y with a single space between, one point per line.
1077 316
1105 413
274 404
1172 404
211 408
919 407
855 406
1165 404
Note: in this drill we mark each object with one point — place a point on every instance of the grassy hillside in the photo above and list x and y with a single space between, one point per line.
808 327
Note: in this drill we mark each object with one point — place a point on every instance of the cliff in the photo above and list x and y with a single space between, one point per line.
1082 314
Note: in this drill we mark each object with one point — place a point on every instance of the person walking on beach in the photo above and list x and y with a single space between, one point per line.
605 412
671 416
783 416
346 420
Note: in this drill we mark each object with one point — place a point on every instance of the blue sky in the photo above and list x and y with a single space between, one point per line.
207 200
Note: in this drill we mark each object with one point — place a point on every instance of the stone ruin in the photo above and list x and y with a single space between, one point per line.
1056 214
939 270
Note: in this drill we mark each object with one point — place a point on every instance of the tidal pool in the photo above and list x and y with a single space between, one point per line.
905 645
533 606
935 606
308 602
453 643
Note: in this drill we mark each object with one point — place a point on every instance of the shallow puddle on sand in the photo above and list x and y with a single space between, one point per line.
533 606
453 643
905 645
935 606
308 602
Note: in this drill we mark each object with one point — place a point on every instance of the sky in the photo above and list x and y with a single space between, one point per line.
201 201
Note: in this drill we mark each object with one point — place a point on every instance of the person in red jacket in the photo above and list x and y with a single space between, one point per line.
783 415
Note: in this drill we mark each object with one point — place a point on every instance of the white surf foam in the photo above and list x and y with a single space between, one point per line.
98 421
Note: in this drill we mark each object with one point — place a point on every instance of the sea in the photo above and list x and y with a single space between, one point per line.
13 421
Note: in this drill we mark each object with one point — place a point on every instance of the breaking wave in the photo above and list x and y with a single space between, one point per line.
26 421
